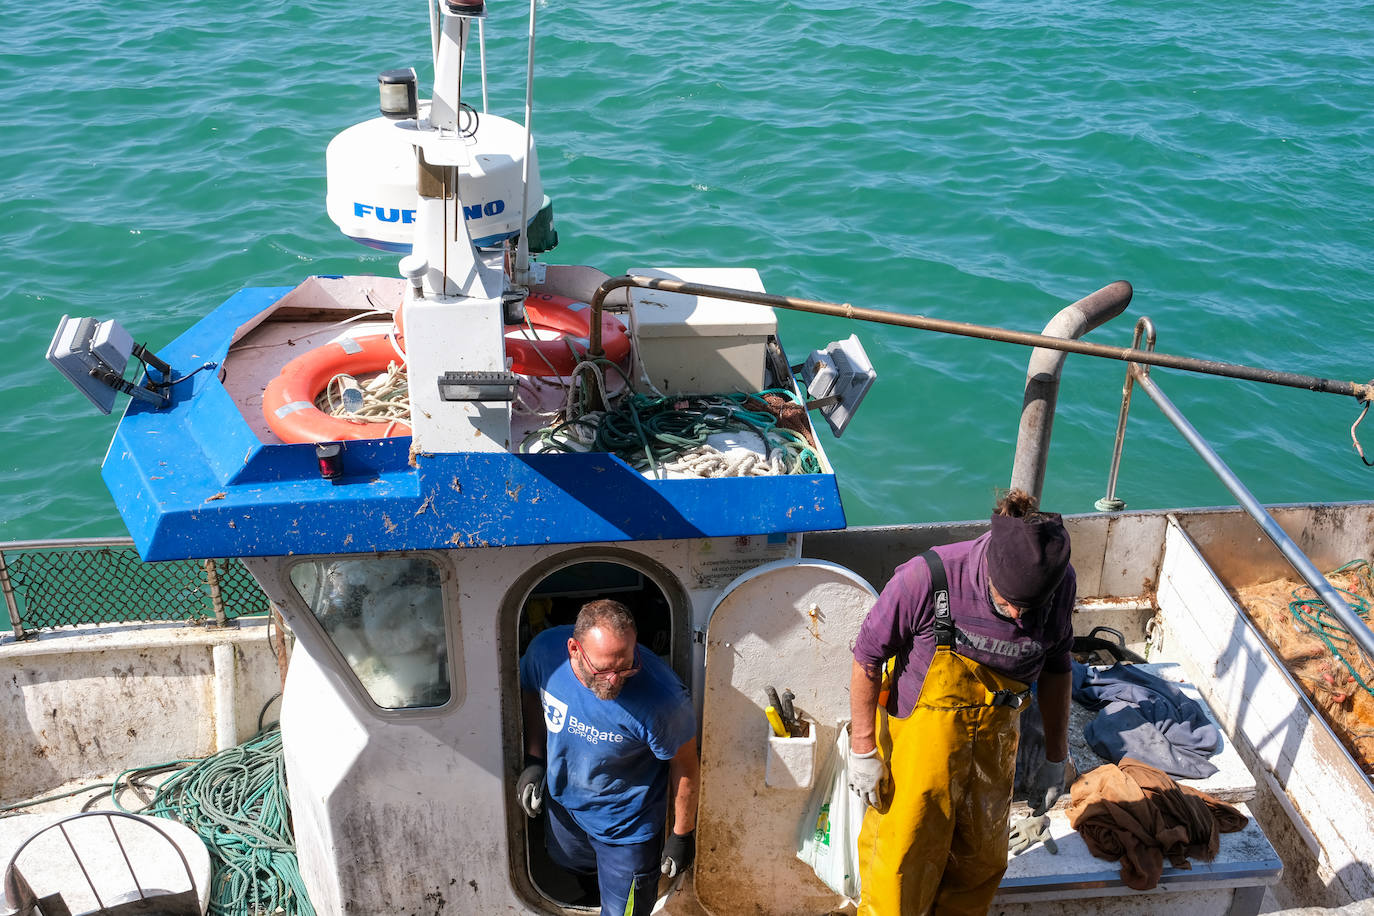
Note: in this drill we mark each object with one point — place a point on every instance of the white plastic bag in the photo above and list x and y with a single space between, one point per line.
829 832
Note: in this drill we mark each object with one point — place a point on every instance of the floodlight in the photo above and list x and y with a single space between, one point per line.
399 95
836 379
93 356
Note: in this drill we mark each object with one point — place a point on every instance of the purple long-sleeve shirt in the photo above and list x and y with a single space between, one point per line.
902 625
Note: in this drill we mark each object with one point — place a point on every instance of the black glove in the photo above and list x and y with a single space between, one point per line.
1047 785
679 853
529 791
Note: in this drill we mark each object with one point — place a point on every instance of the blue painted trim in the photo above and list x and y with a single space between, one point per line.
193 480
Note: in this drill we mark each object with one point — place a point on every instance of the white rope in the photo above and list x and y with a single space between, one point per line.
569 408
708 461
635 355
527 399
395 342
386 398
533 337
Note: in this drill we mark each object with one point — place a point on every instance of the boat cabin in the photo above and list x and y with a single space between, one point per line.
424 471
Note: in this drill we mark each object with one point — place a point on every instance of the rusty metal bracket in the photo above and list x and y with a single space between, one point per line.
16 622
1353 438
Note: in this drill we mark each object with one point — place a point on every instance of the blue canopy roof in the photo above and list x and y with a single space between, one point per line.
194 480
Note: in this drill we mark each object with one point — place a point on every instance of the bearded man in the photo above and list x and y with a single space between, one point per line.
610 740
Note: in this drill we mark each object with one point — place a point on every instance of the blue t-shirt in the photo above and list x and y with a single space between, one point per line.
608 759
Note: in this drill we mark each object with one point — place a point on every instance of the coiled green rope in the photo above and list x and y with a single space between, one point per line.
1314 614
645 431
236 801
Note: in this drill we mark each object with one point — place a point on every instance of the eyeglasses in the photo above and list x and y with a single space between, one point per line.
608 673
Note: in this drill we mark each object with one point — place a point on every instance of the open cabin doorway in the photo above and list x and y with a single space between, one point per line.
554 601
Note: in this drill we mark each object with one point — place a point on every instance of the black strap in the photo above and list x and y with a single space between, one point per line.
944 624
945 632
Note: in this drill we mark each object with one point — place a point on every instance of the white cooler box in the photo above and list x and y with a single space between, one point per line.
699 345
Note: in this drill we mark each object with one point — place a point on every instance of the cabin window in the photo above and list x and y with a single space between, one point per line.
385 615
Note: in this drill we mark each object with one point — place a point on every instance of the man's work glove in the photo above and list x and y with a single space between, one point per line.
1046 786
529 791
866 775
1028 831
679 853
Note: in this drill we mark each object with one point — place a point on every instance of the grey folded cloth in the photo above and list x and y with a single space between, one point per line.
1148 718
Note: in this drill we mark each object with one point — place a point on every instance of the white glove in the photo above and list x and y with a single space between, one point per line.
866 775
1046 787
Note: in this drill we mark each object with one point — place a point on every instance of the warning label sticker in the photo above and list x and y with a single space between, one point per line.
716 562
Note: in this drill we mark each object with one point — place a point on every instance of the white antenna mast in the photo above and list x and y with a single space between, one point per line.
522 252
482 57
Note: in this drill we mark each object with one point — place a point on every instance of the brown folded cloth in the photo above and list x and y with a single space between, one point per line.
1140 815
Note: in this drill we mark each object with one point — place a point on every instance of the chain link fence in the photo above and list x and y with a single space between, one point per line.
65 583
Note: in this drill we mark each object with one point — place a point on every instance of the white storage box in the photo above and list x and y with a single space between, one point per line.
791 762
698 345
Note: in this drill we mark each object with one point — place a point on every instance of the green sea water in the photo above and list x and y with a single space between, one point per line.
986 161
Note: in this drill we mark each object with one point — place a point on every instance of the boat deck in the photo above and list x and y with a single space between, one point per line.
97 861
1233 782
1234 883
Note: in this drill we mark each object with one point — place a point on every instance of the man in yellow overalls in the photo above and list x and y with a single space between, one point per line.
960 634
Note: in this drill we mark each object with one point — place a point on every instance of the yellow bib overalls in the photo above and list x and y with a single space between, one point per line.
940 845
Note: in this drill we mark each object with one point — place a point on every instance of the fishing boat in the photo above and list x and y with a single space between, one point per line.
382 487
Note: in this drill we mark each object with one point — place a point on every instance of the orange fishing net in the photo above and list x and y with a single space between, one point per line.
790 414
1330 669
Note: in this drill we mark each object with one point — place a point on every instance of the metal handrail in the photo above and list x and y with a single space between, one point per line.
1145 328
49 543
1306 569
7 586
11 605
1136 359
1363 392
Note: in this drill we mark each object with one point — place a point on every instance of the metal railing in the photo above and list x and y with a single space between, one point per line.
1042 385
70 582
1363 392
1139 374
1356 627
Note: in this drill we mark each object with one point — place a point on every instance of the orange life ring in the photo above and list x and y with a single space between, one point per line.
288 403
571 320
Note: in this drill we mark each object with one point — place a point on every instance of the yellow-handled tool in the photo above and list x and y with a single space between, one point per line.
775 720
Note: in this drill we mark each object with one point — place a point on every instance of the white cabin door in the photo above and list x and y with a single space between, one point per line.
789 625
